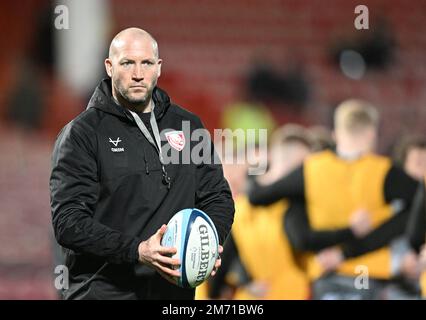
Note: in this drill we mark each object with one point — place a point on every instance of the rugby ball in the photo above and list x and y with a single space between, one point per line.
194 235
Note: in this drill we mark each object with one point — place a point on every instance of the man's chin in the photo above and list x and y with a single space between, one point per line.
137 100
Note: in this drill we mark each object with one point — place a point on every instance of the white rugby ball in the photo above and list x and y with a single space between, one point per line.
194 235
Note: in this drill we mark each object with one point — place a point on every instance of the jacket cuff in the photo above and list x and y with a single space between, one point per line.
133 256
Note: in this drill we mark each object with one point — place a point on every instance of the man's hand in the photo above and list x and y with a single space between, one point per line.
218 262
360 223
154 255
330 258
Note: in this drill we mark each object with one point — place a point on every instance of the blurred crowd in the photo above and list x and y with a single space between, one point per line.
347 226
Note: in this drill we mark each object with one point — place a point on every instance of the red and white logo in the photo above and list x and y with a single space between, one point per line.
176 139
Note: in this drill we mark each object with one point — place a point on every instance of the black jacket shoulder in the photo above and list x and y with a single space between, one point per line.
184 113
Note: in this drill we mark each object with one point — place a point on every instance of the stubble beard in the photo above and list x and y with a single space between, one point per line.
133 102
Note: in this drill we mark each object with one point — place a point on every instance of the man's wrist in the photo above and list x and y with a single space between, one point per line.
137 251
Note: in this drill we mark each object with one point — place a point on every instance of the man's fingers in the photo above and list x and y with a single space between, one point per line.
218 263
168 261
167 251
161 231
166 270
213 273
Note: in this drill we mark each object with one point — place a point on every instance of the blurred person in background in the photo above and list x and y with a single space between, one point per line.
322 138
245 115
111 193
269 268
410 154
416 233
336 190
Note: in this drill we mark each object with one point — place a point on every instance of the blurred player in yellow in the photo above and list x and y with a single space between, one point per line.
337 189
257 237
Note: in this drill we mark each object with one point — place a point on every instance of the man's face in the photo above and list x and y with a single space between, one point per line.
134 69
415 163
365 137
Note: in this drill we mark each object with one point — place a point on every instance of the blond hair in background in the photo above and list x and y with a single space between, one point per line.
355 115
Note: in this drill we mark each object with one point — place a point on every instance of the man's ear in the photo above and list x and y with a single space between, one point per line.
160 62
108 67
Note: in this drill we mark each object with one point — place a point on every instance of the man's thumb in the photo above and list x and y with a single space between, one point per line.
161 231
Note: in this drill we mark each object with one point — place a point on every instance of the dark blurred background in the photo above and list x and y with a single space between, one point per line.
294 60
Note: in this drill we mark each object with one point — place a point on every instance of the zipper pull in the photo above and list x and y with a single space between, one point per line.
166 178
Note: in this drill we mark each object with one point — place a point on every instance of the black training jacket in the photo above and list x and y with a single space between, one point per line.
107 190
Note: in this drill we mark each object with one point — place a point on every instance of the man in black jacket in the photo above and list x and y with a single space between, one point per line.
112 190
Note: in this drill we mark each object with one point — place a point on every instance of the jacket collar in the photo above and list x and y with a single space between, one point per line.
102 100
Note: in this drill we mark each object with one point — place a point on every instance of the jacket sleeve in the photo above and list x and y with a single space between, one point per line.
213 195
416 228
74 189
378 238
398 186
301 235
291 186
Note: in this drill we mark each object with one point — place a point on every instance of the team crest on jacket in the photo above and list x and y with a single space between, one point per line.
176 139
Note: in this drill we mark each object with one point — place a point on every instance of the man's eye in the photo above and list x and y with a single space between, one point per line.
125 63
148 63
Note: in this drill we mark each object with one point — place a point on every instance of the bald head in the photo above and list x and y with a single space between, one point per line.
129 36
134 67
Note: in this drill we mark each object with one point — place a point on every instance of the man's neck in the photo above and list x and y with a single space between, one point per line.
350 153
135 108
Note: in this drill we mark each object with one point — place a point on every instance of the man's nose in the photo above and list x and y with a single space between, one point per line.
137 72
